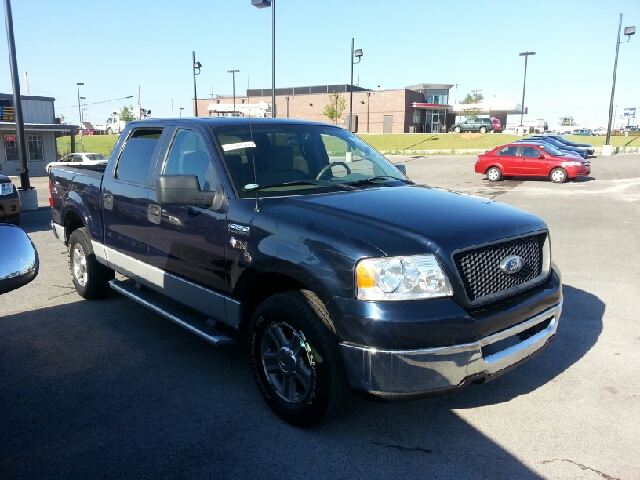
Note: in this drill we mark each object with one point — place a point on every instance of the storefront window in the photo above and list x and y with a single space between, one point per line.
11 148
36 150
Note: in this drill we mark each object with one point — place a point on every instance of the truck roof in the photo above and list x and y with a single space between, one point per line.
231 121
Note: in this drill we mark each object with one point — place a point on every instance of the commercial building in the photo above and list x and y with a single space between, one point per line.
40 131
422 108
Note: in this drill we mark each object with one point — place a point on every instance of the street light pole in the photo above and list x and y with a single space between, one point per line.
354 54
233 72
524 82
628 31
272 4
196 66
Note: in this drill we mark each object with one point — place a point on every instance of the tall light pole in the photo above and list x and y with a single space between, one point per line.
25 185
628 31
196 66
181 108
524 82
272 4
354 54
233 72
80 110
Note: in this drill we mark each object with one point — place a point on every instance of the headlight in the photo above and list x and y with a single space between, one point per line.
6 188
575 164
401 278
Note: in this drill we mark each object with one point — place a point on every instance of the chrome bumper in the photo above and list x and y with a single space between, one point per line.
414 372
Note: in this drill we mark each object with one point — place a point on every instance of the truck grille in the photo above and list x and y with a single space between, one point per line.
480 273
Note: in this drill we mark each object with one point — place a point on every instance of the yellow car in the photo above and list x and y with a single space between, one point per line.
9 202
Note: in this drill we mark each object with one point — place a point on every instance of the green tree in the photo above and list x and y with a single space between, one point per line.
126 114
335 108
472 98
567 120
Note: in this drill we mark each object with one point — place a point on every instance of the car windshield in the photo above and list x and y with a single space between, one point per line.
279 160
95 156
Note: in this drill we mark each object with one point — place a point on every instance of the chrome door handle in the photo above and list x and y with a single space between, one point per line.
154 213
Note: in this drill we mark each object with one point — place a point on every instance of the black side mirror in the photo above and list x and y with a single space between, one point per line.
18 258
182 190
402 168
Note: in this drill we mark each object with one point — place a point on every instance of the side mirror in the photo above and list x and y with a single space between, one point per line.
182 190
402 168
18 258
541 156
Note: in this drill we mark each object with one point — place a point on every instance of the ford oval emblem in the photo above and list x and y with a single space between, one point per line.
511 264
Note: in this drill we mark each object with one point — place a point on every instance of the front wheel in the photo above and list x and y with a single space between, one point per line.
494 174
558 175
296 360
90 278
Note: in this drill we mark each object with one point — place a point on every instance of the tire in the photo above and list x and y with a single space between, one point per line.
558 175
90 278
109 131
483 130
296 360
457 129
494 174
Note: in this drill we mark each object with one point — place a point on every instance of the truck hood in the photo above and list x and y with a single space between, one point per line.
411 219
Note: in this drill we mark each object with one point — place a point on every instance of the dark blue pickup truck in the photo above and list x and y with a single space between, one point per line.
344 274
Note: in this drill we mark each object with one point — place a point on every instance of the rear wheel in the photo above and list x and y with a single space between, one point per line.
494 174
90 278
296 360
457 129
558 175
483 130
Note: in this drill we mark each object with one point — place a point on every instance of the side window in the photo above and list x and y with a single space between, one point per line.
508 151
529 152
188 156
137 155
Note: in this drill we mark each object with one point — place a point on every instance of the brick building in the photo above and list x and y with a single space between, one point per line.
374 111
422 108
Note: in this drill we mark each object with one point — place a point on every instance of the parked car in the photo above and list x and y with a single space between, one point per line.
9 201
569 143
584 132
600 131
481 125
530 160
582 151
75 159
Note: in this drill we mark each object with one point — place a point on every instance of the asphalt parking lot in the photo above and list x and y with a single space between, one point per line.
107 389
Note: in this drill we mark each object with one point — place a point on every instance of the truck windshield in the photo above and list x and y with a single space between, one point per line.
278 160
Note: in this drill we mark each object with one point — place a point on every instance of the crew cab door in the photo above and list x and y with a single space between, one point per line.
188 240
125 192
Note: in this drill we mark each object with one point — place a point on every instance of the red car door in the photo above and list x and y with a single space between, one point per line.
507 157
531 164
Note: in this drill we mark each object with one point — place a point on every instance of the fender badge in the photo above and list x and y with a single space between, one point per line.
239 229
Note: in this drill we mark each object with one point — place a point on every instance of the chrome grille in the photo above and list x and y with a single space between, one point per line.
479 268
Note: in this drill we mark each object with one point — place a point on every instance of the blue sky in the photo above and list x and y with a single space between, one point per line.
117 46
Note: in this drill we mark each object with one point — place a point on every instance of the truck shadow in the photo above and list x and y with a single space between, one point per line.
129 385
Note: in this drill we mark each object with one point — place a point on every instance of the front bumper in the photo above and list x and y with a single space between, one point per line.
398 374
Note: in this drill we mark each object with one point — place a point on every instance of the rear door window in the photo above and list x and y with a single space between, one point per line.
137 155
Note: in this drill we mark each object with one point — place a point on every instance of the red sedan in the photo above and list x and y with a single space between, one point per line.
529 160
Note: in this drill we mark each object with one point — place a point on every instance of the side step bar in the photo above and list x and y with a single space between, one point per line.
203 330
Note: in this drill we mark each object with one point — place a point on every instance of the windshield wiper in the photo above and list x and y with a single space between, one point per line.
253 187
377 179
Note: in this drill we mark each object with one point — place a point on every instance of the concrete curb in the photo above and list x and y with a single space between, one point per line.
477 151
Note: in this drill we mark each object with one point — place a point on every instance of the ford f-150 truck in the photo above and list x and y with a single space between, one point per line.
342 273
